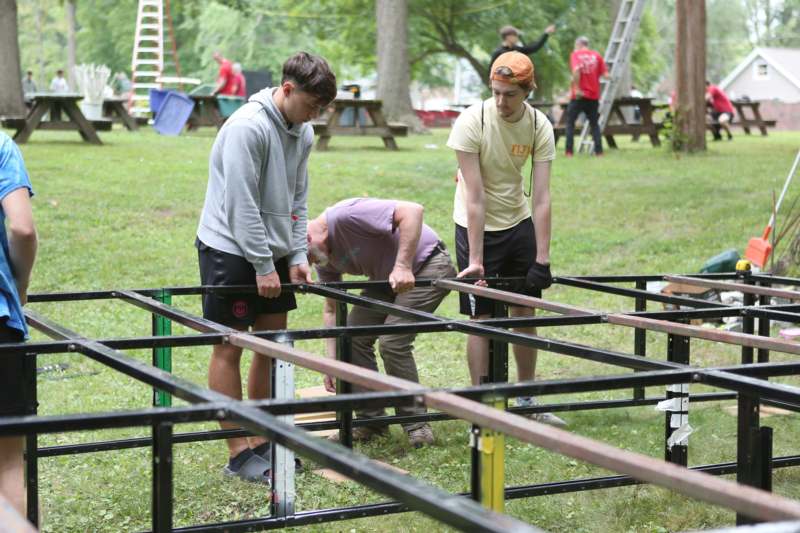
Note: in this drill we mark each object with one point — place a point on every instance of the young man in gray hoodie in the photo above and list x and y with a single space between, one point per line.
253 229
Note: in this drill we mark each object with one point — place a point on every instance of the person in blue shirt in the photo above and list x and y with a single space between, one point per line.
17 254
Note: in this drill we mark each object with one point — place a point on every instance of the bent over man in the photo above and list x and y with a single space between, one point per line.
383 240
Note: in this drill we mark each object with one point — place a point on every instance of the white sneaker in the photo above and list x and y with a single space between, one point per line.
544 418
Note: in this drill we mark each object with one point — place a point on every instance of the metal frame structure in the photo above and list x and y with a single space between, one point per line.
484 406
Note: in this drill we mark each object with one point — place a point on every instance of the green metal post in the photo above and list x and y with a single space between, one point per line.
162 357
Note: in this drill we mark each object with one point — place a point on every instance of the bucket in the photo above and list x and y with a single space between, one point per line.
173 114
92 110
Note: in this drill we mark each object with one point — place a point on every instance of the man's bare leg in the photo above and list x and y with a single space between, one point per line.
524 355
526 368
477 355
12 477
259 381
225 377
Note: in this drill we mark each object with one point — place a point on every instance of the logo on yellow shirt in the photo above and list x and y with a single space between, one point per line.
521 150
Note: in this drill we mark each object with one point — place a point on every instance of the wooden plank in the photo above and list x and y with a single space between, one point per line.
313 392
336 477
15 123
749 501
33 119
512 298
752 502
85 127
733 286
375 131
699 332
650 324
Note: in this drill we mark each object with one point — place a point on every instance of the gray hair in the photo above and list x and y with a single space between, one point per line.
237 67
582 40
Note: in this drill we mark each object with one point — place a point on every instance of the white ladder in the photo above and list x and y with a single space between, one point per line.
617 57
148 60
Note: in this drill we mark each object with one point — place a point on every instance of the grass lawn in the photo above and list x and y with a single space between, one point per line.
124 215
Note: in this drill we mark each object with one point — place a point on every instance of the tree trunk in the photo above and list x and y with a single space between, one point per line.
39 16
11 102
394 72
690 76
71 31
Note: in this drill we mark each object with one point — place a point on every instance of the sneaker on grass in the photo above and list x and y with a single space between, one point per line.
248 466
421 436
545 418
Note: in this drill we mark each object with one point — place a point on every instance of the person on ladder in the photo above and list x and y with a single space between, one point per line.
587 68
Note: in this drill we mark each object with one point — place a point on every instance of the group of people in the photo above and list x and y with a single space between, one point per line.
255 229
120 85
587 68
58 85
230 79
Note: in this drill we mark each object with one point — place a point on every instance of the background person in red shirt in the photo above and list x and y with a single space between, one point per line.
225 79
239 83
721 110
587 68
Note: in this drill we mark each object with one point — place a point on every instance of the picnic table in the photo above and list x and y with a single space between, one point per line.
206 112
618 123
329 124
55 104
754 121
116 111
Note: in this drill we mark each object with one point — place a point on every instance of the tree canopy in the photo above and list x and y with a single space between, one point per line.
260 34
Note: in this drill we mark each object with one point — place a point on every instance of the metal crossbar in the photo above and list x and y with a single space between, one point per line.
745 382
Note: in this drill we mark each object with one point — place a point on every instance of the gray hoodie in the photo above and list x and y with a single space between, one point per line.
257 186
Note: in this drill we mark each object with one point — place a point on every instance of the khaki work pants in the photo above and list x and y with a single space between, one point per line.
397 350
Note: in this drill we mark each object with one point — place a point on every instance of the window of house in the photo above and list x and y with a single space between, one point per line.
761 70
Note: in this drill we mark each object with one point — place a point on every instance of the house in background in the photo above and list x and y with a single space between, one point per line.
771 76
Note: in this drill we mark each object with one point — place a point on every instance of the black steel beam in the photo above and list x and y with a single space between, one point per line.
453 510
305 518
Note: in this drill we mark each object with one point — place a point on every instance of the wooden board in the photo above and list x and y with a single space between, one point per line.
336 477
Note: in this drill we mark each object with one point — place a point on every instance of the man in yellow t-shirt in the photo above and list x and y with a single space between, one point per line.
496 235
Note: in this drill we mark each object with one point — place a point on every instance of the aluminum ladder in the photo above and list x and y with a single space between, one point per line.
149 45
617 58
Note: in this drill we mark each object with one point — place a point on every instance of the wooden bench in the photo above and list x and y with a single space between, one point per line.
618 123
56 106
329 125
397 129
17 123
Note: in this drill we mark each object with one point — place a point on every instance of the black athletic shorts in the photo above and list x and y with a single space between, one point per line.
13 390
506 253
238 310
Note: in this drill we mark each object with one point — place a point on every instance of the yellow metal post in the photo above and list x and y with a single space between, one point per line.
491 446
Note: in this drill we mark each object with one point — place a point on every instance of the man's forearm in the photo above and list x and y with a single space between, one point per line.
541 224
541 210
409 230
476 221
329 319
22 251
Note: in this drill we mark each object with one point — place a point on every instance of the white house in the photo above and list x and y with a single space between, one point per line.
772 76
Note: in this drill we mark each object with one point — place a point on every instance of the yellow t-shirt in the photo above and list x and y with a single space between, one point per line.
504 148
